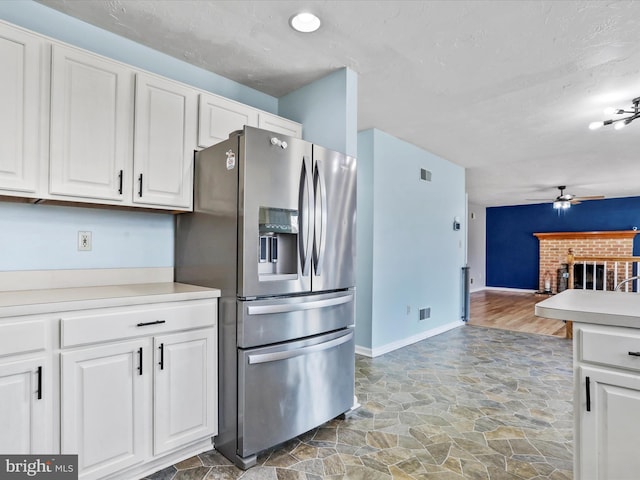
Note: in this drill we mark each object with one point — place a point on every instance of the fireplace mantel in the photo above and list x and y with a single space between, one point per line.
586 235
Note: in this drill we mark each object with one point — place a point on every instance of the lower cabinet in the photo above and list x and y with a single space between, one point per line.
185 407
609 425
607 402
24 416
128 402
105 398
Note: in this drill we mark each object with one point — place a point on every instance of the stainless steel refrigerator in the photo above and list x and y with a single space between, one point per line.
274 228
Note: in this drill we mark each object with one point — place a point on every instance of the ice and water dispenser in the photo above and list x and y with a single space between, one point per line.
277 246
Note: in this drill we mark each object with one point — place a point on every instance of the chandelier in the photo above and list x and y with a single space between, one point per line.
618 123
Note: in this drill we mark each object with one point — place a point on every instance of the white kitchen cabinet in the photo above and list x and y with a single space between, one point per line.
185 402
24 416
91 125
218 117
166 115
607 393
22 110
26 393
106 400
138 383
279 125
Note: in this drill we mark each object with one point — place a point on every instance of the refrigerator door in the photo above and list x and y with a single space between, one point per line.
267 321
334 243
275 214
290 388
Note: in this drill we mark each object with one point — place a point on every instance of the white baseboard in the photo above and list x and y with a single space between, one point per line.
507 289
389 347
98 277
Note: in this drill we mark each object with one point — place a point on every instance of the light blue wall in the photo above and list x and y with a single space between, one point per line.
39 237
415 253
43 237
328 110
50 22
364 239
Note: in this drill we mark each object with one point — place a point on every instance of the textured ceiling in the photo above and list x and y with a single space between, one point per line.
503 88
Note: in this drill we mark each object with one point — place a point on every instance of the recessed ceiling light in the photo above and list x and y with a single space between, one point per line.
305 22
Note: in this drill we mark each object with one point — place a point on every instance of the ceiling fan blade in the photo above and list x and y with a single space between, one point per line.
575 201
592 197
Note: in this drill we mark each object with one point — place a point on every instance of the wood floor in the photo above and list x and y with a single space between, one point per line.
512 311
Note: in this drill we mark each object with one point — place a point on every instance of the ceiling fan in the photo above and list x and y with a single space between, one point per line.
565 200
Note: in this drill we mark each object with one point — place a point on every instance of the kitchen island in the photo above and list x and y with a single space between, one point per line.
606 367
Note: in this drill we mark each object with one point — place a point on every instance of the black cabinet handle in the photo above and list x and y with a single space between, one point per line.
140 185
161 362
120 182
40 383
140 360
587 382
634 354
145 324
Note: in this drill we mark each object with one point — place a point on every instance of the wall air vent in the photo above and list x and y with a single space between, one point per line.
425 313
425 175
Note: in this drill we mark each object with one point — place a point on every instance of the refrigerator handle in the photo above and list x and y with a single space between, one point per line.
287 354
305 206
320 236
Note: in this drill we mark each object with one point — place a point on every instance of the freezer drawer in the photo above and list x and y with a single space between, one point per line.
263 322
288 389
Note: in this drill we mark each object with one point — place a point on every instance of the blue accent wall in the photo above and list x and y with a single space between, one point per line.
513 251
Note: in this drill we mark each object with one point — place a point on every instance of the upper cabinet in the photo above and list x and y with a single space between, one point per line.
220 116
279 125
165 140
91 125
21 112
79 127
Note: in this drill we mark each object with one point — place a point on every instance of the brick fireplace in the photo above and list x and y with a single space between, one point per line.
554 247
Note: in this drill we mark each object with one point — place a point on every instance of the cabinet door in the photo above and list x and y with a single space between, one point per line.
608 425
185 407
165 141
24 396
21 110
218 117
91 115
279 125
105 397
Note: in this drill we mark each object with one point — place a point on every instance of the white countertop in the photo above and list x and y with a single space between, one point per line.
588 306
30 302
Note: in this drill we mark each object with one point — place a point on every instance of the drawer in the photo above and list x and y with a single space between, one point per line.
21 337
610 346
103 325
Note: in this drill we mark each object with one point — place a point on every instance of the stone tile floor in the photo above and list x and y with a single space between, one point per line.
472 403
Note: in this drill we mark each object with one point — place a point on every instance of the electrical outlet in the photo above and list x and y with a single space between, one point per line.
84 241
408 309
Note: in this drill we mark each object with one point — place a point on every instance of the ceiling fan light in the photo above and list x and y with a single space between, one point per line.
561 204
620 125
595 125
611 111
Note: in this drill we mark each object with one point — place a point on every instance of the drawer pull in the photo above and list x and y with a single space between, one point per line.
634 354
140 360
145 324
40 383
